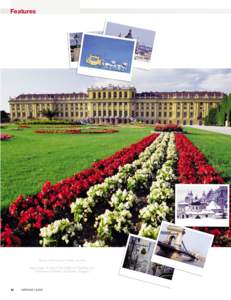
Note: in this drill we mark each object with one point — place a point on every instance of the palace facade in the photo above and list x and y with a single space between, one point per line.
114 105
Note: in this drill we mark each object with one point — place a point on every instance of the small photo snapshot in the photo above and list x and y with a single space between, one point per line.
75 39
106 56
137 262
182 248
144 41
202 205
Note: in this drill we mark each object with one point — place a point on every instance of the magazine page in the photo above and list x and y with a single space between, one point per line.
115 149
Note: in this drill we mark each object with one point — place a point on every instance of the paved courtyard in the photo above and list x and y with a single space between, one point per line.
218 129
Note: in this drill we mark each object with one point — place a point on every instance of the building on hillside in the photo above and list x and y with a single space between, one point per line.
212 204
115 105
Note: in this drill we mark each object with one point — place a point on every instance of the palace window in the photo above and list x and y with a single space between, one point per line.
99 113
152 114
120 94
125 103
147 114
109 113
94 113
142 113
125 113
94 95
185 114
125 94
109 95
178 114
114 94
104 113
120 103
191 115
104 95
160 114
165 114
115 113
170 114
120 113
99 95
81 114
184 122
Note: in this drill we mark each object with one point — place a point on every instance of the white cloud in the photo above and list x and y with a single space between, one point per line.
218 82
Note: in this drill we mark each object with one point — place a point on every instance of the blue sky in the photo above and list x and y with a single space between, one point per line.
17 81
194 241
107 48
145 37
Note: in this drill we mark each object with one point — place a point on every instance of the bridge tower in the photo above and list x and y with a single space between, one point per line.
175 236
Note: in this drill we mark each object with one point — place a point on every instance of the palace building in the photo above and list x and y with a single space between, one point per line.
114 105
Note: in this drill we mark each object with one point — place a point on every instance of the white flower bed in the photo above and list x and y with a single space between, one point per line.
161 193
119 191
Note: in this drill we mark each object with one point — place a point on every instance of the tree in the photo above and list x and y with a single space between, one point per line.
210 119
48 113
5 117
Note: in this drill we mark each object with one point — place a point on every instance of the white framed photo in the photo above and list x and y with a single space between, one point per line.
182 248
106 56
204 205
144 41
137 262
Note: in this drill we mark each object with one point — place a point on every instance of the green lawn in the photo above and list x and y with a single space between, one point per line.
29 159
216 147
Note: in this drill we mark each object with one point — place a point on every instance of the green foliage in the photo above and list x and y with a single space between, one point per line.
5 117
218 116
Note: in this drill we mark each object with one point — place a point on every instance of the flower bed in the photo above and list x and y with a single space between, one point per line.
76 131
5 136
54 131
168 128
28 214
23 126
131 191
194 168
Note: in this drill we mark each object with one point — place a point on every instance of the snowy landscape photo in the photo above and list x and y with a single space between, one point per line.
202 205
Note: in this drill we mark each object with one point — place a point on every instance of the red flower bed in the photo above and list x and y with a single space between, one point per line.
28 214
53 131
192 164
168 128
5 136
194 168
24 126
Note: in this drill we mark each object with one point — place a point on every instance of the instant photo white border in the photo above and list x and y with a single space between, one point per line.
106 73
201 222
143 276
183 266
147 65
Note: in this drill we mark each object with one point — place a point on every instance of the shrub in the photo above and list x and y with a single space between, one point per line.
168 128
